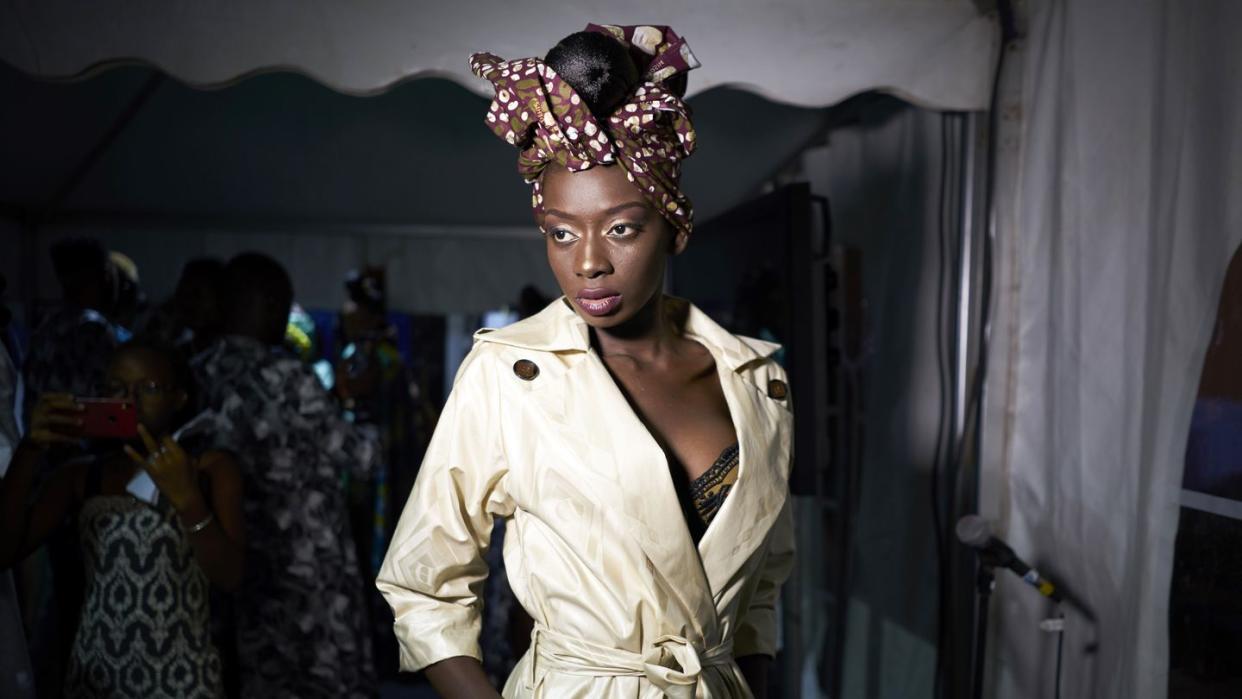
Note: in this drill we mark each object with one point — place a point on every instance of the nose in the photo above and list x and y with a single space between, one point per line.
593 259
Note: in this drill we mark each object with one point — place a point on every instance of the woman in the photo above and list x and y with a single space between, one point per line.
145 624
638 451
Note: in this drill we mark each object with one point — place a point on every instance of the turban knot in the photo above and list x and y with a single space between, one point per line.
648 135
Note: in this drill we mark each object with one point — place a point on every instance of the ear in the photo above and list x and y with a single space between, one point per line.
680 240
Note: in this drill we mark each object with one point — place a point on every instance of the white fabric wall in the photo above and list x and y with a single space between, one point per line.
1119 208
453 270
808 52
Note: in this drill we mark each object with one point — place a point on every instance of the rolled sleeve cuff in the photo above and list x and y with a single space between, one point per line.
757 633
426 644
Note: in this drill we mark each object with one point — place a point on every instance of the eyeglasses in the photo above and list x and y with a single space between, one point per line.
144 389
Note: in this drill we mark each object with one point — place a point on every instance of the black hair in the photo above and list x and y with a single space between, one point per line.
201 272
598 67
253 278
178 367
258 293
79 262
365 287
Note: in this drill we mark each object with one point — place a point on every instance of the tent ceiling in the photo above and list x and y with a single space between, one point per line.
282 147
936 53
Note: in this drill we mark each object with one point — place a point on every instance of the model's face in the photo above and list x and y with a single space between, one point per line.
607 246
145 379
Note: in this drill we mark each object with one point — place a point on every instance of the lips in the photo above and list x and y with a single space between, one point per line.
598 302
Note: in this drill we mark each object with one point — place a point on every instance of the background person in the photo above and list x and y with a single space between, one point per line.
145 624
300 614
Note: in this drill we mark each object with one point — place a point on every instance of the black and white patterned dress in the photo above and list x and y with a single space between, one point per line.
145 627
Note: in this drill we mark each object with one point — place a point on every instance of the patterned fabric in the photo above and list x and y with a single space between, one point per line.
301 614
145 628
648 135
69 353
709 490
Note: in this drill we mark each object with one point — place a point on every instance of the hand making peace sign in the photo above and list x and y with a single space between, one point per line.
173 471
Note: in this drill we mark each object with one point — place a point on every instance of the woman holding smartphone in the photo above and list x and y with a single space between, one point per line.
145 623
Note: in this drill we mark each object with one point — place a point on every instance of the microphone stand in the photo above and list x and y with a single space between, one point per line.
985 582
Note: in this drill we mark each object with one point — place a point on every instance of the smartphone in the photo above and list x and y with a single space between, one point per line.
108 418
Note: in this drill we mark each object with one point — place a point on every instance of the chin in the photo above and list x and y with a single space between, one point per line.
603 322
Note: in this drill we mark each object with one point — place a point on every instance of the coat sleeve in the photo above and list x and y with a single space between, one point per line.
756 633
434 571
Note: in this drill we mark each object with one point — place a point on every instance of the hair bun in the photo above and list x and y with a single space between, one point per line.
598 67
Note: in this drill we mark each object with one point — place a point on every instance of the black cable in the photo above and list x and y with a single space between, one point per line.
987 263
989 209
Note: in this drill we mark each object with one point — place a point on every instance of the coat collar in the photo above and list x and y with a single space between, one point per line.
558 328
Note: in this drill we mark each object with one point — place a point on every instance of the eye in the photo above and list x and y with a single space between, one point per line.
560 235
623 229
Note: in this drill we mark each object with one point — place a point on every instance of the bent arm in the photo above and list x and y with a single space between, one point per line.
24 529
755 643
460 677
755 671
434 571
220 547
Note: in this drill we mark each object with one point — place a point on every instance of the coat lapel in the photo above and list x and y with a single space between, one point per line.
645 500
757 497
764 429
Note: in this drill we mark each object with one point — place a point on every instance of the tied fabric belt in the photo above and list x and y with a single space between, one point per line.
553 651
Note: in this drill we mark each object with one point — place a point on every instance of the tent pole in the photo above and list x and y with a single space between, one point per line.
32 222
95 154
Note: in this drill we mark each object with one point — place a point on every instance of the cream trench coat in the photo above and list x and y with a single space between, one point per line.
596 546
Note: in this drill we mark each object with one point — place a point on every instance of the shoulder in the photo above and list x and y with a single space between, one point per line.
760 363
220 467
528 348
483 364
557 328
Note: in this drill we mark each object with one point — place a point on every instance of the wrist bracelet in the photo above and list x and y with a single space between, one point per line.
201 524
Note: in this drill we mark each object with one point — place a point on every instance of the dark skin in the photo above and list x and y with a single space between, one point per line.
601 233
146 379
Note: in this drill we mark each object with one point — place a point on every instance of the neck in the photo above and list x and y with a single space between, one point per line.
646 337
254 331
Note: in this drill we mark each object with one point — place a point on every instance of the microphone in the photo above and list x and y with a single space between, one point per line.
976 532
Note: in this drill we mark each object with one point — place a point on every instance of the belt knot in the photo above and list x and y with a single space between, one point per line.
672 663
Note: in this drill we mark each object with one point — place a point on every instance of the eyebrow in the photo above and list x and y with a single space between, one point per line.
610 212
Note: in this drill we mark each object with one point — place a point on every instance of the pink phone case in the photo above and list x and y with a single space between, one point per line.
108 418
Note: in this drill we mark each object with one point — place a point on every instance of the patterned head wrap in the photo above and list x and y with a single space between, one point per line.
648 135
